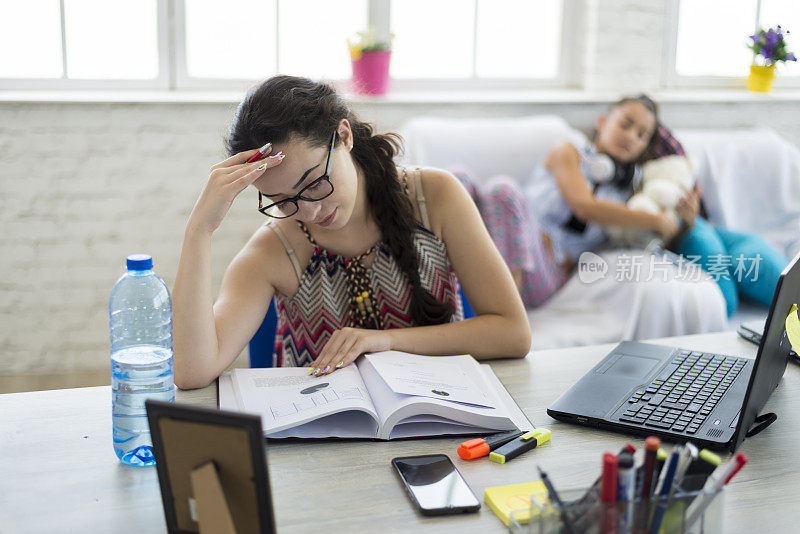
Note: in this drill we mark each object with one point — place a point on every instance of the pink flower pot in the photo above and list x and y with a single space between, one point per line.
371 73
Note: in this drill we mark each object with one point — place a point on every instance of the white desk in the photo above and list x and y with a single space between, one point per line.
58 471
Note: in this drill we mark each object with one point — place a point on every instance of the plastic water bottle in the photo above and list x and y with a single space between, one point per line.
140 321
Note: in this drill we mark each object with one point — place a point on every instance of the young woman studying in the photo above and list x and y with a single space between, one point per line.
360 255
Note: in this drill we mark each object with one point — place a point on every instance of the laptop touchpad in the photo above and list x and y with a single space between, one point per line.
629 366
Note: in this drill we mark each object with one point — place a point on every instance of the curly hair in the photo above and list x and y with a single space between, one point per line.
289 108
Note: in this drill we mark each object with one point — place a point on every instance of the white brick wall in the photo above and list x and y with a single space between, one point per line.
624 44
83 185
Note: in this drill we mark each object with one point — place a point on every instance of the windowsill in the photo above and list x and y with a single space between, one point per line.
527 96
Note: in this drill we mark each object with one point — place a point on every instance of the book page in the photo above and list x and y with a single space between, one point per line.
287 397
350 424
430 416
449 378
515 413
226 394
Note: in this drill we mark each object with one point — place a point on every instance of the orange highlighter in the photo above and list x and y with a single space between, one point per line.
476 448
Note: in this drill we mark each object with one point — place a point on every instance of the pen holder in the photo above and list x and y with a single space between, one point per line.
586 514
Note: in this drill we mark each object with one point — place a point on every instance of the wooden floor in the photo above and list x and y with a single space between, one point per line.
39 382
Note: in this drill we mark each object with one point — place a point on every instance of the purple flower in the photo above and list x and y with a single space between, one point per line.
771 38
770 44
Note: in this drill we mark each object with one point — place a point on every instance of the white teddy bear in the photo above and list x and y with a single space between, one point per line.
664 182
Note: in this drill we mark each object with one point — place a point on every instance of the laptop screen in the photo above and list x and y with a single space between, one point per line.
773 351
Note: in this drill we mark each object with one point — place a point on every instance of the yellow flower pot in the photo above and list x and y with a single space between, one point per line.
760 79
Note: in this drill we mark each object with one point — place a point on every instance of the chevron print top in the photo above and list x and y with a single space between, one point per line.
321 304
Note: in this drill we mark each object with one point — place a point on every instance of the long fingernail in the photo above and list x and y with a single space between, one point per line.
262 166
310 370
339 364
279 155
316 371
327 368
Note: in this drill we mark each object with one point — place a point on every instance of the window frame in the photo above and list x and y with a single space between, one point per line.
672 80
567 73
160 82
173 73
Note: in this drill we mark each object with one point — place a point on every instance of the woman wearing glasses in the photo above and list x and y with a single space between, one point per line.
359 254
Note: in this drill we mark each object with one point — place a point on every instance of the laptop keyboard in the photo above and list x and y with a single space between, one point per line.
682 396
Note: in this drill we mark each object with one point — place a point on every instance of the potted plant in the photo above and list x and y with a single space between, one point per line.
370 57
769 47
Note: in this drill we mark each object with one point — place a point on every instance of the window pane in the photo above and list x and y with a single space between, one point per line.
231 40
713 37
518 38
111 40
787 14
433 38
313 36
30 39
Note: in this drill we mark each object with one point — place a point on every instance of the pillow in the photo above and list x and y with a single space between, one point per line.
663 144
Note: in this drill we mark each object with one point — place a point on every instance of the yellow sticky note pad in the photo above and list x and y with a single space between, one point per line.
793 328
506 499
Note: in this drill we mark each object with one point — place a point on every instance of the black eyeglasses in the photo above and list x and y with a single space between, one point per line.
317 190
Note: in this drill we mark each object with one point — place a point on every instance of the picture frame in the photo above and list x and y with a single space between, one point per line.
212 469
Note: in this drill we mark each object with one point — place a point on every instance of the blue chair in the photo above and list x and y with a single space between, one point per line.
262 346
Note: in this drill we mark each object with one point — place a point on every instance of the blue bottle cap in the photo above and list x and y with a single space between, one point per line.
140 262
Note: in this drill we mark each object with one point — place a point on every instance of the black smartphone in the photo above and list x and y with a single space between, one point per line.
752 330
435 485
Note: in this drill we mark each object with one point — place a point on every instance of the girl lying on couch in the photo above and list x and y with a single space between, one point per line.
577 205
580 191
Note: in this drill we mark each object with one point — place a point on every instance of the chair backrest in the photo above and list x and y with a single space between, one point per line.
262 346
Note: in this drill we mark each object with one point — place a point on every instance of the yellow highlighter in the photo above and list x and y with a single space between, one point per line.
527 441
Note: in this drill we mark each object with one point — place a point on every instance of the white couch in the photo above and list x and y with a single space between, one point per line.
751 182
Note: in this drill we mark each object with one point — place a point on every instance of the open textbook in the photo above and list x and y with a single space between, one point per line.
384 395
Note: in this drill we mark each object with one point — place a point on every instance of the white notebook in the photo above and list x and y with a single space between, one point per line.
385 395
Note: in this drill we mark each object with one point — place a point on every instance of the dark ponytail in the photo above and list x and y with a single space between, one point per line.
287 106
394 213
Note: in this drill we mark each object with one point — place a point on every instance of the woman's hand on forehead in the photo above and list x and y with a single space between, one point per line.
226 181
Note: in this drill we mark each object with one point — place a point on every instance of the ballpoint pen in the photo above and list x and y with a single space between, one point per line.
551 490
666 491
260 154
627 485
688 454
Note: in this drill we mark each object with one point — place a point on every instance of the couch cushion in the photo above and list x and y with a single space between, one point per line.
488 146
751 182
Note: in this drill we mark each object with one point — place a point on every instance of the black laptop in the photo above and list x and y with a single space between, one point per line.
682 395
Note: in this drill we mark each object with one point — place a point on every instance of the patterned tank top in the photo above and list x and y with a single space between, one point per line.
321 304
